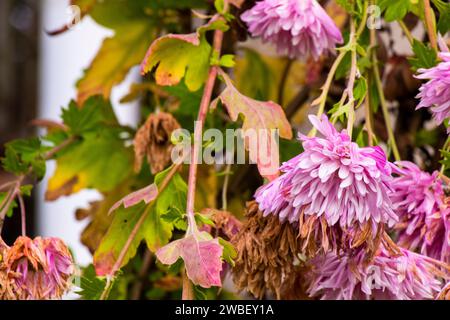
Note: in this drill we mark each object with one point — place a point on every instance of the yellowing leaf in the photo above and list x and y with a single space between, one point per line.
99 161
154 230
115 58
259 117
177 55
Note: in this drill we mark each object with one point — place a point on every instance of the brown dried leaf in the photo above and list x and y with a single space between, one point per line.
153 140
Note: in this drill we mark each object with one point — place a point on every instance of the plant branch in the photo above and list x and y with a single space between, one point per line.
282 84
192 180
406 31
225 186
351 81
137 287
383 103
23 215
430 24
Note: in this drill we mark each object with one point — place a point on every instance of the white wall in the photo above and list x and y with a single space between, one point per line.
62 60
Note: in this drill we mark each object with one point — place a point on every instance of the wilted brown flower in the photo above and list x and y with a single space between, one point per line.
226 224
36 269
153 140
267 256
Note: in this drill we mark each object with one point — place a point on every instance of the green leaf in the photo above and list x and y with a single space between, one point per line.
13 205
85 163
227 61
94 113
425 56
175 56
92 286
360 90
394 9
24 154
155 230
116 56
229 253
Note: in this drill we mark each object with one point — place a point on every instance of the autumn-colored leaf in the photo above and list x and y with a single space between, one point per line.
115 58
181 55
202 257
155 230
146 194
262 118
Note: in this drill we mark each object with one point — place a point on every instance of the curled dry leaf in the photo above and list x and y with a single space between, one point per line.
202 256
153 140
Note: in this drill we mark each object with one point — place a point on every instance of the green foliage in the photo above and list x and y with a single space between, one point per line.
443 25
100 149
229 252
394 9
23 155
175 56
92 286
425 56
155 230
95 114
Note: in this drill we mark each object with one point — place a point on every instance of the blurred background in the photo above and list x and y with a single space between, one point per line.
37 77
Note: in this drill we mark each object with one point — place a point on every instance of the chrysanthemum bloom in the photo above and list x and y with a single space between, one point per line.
333 187
435 93
407 276
296 28
38 269
418 198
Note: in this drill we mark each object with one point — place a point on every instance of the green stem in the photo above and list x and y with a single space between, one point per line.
384 108
406 31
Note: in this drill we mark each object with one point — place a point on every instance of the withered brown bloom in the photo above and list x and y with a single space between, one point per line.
36 269
153 140
267 256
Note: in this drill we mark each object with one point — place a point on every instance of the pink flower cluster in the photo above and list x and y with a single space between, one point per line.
435 93
297 28
333 178
418 198
406 276
36 269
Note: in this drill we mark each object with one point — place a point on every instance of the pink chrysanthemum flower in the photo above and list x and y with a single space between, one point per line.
418 198
333 177
406 276
38 269
298 28
435 93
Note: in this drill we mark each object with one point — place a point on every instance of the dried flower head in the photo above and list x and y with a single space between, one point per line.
267 251
38 269
435 93
332 189
418 198
404 276
153 140
296 28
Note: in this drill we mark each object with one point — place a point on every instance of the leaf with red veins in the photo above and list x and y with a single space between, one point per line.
146 194
175 56
202 257
262 118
